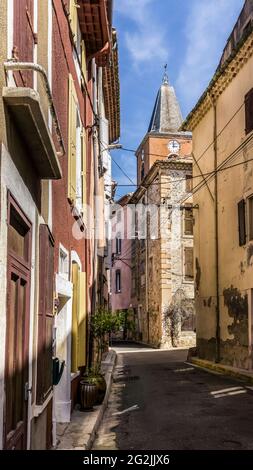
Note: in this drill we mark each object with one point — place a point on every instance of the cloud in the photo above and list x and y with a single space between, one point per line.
208 26
147 42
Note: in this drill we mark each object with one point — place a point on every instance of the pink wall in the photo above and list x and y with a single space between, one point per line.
121 300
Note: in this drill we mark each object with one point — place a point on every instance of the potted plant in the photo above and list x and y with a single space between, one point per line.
88 393
93 384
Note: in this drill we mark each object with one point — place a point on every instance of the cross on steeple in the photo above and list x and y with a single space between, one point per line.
165 76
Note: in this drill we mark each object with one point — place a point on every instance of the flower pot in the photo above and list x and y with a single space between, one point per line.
88 395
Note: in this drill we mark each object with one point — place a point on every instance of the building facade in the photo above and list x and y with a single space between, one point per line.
162 249
222 126
59 67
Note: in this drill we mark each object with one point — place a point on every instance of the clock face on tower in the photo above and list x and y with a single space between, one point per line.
174 146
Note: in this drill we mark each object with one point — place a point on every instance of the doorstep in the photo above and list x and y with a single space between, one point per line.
80 433
235 372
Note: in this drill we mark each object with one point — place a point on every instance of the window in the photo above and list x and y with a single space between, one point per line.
118 245
46 312
142 170
72 142
188 221
249 111
118 281
250 206
133 281
188 183
241 221
188 263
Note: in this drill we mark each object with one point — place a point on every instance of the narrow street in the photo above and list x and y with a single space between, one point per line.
158 401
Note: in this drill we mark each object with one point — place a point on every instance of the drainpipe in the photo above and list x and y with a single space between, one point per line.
18 66
147 270
216 230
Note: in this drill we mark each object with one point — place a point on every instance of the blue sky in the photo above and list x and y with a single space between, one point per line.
188 35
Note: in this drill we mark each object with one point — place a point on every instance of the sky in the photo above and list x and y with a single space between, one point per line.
188 36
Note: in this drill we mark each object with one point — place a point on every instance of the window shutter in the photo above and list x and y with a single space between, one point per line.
241 222
81 337
188 183
84 169
188 221
83 58
75 304
73 17
72 142
249 111
45 315
23 39
188 257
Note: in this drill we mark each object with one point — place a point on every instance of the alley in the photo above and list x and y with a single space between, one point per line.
159 401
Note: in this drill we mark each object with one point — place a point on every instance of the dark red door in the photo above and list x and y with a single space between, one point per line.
17 331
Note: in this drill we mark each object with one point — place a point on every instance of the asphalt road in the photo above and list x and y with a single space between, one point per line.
159 402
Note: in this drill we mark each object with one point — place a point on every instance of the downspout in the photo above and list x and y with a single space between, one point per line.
216 230
17 66
147 270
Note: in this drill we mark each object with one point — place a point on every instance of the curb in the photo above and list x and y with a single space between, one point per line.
230 371
81 432
107 367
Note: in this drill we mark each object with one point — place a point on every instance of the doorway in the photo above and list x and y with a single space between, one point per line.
17 328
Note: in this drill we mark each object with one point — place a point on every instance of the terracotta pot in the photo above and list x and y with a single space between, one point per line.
88 395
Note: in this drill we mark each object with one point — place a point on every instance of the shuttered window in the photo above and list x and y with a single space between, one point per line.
72 147
250 206
73 17
249 111
45 317
84 168
23 39
188 183
188 221
188 263
118 245
241 222
78 337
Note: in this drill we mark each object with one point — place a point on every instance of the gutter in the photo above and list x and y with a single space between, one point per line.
18 66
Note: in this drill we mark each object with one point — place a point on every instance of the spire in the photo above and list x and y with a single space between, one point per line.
166 116
165 76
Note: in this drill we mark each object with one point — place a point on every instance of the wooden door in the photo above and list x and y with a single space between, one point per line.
17 331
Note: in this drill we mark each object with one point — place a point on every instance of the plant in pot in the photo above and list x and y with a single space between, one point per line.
103 323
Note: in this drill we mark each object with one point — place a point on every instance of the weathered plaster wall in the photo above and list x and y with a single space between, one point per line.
235 268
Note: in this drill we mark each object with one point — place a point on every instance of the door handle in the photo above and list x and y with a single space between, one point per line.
27 391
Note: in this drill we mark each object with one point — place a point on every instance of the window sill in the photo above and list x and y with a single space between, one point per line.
74 375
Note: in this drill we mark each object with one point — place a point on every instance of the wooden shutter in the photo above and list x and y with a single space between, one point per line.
188 183
188 221
45 315
241 222
81 343
24 39
249 111
74 332
84 168
78 343
83 57
72 142
73 17
188 262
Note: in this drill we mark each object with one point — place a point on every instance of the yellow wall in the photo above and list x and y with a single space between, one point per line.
233 185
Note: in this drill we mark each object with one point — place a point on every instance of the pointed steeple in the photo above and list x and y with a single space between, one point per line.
166 116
